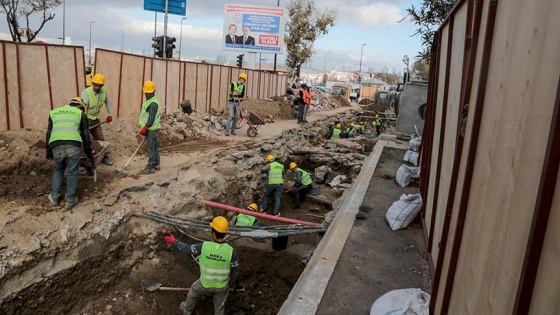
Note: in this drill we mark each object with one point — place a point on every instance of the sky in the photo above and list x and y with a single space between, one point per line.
371 22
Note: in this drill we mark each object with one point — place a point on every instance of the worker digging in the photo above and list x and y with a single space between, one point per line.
303 184
275 172
150 117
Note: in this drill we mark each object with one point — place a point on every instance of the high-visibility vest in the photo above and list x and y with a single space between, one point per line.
336 133
351 130
144 114
378 121
66 123
215 264
305 177
238 88
306 96
275 174
245 220
95 102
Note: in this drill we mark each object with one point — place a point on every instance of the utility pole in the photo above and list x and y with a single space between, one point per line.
276 55
64 22
90 23
360 71
165 27
181 37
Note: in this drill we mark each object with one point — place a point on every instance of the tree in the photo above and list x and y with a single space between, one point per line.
428 17
17 10
389 78
421 69
306 24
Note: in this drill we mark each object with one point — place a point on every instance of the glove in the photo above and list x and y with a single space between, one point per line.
50 155
109 119
143 131
169 239
293 188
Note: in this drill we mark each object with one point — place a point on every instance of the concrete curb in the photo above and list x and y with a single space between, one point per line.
308 291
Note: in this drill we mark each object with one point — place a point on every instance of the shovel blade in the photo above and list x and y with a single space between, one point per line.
150 285
119 173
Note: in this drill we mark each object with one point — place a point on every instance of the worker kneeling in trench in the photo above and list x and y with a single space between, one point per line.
303 184
218 267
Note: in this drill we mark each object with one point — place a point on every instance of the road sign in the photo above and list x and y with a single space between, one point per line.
177 7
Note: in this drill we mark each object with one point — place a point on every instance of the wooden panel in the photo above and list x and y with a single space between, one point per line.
159 70
109 65
216 87
546 292
224 84
131 96
190 81
13 86
202 89
34 86
3 92
521 89
435 152
61 60
81 67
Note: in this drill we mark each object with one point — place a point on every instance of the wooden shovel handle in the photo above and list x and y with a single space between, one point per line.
173 289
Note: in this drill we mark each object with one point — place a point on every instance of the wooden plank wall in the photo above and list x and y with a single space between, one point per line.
512 136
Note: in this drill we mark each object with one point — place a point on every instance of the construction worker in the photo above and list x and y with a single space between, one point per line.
94 97
218 267
361 128
150 122
275 172
66 134
303 184
377 124
351 130
243 219
336 132
236 93
304 102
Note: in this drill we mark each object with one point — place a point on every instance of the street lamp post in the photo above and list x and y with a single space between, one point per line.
64 22
90 23
181 37
122 41
360 71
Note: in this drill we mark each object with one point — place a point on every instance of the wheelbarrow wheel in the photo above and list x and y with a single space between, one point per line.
252 132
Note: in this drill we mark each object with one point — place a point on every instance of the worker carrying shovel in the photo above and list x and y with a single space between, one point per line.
94 97
303 184
218 267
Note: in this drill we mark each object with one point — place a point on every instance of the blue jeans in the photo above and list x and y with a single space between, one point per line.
66 157
301 112
153 148
232 117
275 190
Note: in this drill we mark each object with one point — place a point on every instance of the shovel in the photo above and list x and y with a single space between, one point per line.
121 173
97 125
152 286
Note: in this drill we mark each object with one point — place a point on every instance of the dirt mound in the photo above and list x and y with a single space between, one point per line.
278 108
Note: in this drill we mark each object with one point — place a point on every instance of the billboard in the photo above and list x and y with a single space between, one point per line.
250 28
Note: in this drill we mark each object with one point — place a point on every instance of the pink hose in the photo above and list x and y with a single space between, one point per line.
258 214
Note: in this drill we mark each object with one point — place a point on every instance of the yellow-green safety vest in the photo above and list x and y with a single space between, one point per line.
275 174
245 220
94 103
66 123
378 121
305 177
144 115
215 264
238 88
336 133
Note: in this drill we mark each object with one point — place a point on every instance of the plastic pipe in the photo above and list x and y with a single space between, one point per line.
258 214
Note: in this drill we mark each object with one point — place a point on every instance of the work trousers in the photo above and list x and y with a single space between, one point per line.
219 297
275 190
66 157
300 193
233 116
97 132
153 148
301 112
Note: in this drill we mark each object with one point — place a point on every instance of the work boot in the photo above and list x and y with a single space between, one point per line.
107 161
278 214
70 204
157 168
227 133
146 171
233 133
53 202
89 171
183 308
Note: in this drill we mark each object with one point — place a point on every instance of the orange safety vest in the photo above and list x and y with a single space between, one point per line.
306 96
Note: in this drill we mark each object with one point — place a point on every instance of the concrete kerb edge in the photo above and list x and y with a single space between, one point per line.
308 291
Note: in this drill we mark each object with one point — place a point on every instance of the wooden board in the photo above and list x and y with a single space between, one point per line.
4 108
34 86
190 83
202 87
13 85
62 76
131 96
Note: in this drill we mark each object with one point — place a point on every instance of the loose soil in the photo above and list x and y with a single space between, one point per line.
375 259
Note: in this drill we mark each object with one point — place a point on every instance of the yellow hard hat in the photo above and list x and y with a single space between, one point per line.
361 122
376 115
351 124
149 87
77 102
269 158
243 76
220 224
338 126
253 207
293 165
98 79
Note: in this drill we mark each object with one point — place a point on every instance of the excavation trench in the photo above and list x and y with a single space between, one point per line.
114 249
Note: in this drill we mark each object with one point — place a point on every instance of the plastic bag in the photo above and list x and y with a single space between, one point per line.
415 143
402 302
405 175
403 211
411 157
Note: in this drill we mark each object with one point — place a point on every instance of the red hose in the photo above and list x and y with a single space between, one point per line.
258 214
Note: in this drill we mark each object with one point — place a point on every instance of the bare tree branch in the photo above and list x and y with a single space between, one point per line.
24 9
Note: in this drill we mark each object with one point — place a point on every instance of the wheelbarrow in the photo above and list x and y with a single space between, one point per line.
254 122
97 158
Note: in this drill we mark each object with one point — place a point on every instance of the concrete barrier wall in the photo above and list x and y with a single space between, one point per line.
35 78
493 187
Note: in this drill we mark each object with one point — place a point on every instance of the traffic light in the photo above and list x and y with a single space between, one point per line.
158 45
240 60
169 46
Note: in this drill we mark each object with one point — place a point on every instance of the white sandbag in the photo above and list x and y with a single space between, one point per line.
403 211
405 174
411 157
337 180
415 143
402 302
